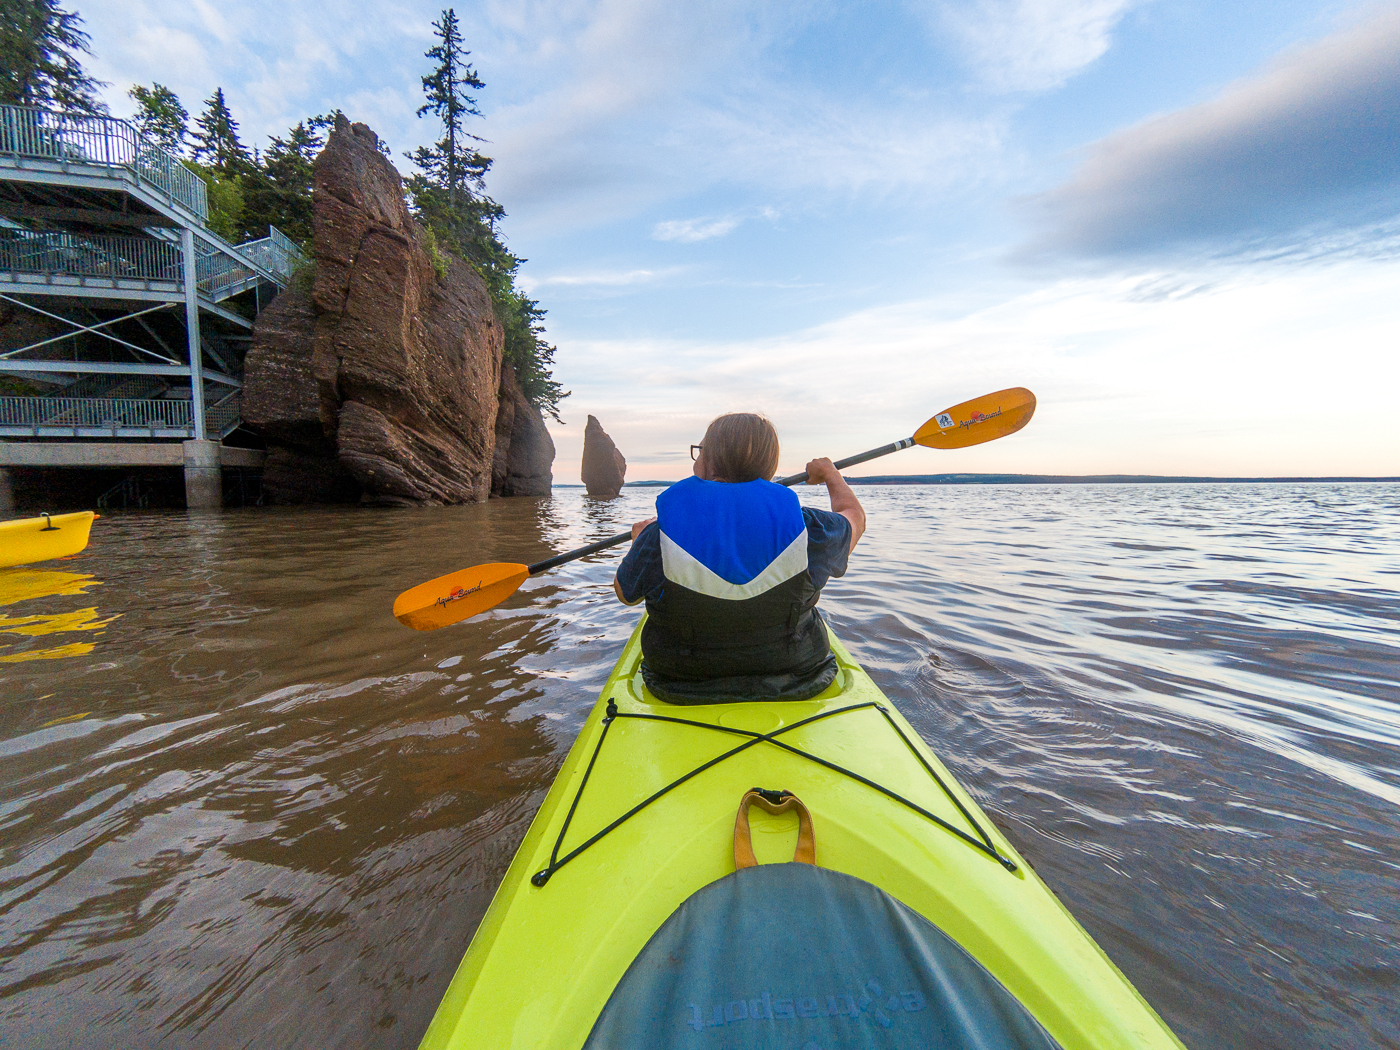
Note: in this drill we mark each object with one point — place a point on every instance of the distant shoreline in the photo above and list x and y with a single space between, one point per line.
1056 479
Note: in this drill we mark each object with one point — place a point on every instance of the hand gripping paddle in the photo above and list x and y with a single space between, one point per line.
462 594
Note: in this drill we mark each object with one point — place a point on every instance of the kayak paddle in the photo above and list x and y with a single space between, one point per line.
462 594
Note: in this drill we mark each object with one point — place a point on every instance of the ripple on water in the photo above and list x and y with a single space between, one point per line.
253 799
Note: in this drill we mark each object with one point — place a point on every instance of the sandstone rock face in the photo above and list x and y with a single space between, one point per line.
280 401
603 467
524 461
383 383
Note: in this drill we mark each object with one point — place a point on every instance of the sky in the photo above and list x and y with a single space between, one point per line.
1176 221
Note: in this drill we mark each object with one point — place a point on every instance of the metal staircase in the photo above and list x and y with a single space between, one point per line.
104 236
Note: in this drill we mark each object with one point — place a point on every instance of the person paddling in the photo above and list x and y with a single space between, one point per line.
731 569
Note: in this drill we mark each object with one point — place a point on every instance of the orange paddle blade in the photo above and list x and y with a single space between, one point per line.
984 418
459 595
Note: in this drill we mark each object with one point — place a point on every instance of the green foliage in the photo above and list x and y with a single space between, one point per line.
39 64
247 192
216 143
450 201
225 201
278 192
430 245
304 276
528 351
453 162
159 117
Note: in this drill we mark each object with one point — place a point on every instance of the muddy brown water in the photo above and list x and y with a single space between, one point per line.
241 806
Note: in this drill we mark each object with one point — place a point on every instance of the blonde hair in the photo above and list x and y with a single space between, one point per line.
740 446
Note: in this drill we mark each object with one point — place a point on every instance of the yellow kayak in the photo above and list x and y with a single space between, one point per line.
27 540
611 927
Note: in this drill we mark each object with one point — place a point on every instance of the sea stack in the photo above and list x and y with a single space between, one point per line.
378 377
603 467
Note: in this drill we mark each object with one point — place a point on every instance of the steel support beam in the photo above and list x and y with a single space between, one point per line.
157 292
94 329
175 294
90 216
21 283
192 331
85 367
74 174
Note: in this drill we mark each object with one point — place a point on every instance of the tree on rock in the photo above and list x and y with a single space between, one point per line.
279 193
454 161
450 200
40 45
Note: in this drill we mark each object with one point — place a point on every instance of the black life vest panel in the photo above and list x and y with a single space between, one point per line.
736 619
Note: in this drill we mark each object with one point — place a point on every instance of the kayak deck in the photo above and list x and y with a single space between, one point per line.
27 540
547 955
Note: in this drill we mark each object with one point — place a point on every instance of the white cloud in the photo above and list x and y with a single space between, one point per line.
1214 373
277 63
596 109
1032 45
1301 151
642 101
597 279
688 231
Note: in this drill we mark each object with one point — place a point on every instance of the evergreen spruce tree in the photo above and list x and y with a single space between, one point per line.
216 143
40 45
279 193
450 200
159 117
454 161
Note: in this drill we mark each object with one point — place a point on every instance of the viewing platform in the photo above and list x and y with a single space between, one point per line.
123 315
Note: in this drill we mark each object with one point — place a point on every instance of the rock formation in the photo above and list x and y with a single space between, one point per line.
524 450
603 467
382 381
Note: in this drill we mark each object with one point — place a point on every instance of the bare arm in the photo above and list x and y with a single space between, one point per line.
843 500
617 590
637 528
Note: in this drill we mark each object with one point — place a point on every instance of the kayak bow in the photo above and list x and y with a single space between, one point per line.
27 540
641 819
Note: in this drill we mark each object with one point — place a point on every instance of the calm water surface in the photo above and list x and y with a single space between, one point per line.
241 806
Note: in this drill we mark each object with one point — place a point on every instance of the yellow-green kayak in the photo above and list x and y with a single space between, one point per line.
594 905
27 540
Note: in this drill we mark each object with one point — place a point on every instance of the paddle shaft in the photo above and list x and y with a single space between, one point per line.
795 479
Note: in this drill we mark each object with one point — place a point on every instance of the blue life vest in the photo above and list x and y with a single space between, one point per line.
736 618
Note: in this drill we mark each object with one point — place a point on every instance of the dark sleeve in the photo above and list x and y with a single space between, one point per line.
640 575
828 544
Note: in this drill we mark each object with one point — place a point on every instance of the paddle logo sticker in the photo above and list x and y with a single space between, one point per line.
458 594
872 1004
978 417
945 421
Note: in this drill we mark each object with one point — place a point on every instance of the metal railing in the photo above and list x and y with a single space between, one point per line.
217 272
223 417
89 255
72 138
59 253
93 412
37 413
277 253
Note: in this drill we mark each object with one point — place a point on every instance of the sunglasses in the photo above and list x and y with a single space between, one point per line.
695 452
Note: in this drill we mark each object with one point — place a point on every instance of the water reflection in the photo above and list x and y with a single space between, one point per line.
22 585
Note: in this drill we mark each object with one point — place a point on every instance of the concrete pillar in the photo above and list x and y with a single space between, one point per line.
204 477
7 494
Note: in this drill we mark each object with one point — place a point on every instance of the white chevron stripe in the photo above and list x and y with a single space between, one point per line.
682 567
